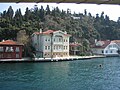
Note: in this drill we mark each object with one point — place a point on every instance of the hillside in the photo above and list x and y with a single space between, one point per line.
82 26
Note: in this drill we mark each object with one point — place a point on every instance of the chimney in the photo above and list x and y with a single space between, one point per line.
40 30
3 40
95 40
65 32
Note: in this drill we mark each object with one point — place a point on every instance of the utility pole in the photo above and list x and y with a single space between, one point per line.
51 46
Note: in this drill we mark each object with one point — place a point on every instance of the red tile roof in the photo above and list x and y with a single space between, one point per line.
116 41
9 42
49 32
105 44
46 32
75 44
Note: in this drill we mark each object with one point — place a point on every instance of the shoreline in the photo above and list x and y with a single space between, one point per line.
70 58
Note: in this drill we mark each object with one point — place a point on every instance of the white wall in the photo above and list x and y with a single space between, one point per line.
111 49
44 42
98 51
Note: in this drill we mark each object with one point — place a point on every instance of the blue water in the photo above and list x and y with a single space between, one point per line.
67 75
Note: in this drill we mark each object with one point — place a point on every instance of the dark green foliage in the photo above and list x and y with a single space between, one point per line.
18 18
10 13
84 28
27 14
48 10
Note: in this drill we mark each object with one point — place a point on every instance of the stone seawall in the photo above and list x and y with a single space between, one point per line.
70 58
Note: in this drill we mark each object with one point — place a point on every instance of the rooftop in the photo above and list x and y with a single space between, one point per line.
9 42
103 44
75 44
49 32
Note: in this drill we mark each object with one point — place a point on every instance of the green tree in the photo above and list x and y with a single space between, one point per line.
85 12
48 10
18 18
27 14
42 13
10 13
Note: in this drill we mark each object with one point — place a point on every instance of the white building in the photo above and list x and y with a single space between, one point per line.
51 43
107 48
75 17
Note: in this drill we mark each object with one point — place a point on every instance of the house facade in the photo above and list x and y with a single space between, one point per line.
51 43
10 49
75 49
107 48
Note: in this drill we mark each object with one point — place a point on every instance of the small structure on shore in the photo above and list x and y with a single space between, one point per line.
75 48
10 49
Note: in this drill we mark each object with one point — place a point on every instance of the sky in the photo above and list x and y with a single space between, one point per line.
111 10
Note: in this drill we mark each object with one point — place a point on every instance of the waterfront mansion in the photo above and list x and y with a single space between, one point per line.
51 43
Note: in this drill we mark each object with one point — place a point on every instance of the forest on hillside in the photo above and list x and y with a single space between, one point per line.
82 26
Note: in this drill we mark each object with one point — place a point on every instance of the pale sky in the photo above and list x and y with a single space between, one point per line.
111 10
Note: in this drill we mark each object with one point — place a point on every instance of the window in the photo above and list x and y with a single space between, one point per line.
17 49
45 47
9 49
59 47
45 54
48 47
111 51
66 40
66 53
49 39
102 51
60 39
109 46
106 51
6 50
72 48
64 47
54 39
1 49
46 39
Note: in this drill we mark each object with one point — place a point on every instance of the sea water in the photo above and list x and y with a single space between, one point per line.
91 74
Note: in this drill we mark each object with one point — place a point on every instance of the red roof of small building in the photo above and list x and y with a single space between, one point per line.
105 44
75 44
9 42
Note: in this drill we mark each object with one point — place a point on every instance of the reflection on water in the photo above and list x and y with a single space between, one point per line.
69 75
